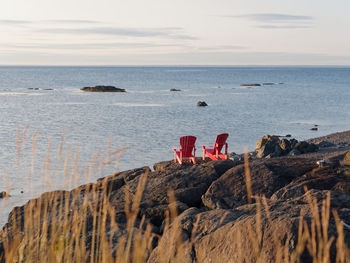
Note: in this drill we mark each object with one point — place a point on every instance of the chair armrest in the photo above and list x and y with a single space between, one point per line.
209 146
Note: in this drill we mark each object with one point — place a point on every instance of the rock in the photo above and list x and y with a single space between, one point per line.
48 89
253 85
305 147
294 152
231 235
314 129
297 187
288 136
210 218
265 139
342 144
268 145
268 83
175 90
4 195
325 144
271 146
103 89
285 146
347 158
202 104
267 176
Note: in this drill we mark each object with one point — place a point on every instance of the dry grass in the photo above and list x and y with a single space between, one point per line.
49 230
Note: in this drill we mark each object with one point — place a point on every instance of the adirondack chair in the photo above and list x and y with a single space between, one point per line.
185 151
215 152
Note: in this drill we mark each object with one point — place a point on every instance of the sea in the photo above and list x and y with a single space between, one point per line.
55 136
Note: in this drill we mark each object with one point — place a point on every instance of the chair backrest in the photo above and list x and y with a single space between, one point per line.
220 141
187 145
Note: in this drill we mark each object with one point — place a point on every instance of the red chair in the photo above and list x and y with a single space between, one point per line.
215 152
185 151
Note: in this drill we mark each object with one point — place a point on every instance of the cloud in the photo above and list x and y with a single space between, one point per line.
87 46
284 26
273 18
13 22
278 21
220 48
176 33
71 21
93 27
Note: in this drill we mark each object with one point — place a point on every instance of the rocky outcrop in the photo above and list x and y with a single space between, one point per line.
272 146
221 235
175 90
103 89
195 213
267 176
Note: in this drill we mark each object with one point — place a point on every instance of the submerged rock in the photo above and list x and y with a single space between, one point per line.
175 90
103 89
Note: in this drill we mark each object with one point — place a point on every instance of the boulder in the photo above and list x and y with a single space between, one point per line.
267 176
4 195
347 158
232 235
270 146
175 90
202 104
294 152
103 89
325 144
305 147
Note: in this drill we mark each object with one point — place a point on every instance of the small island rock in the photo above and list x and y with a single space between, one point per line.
103 89
254 84
202 104
175 90
4 195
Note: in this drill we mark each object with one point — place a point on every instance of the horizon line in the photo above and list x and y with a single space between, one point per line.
177 65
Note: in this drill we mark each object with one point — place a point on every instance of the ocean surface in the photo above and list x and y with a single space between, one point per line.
43 106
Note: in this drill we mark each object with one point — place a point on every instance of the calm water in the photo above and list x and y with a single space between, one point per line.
149 119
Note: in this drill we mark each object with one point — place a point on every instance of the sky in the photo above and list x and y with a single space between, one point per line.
174 32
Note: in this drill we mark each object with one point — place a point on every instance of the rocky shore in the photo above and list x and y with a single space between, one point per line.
221 211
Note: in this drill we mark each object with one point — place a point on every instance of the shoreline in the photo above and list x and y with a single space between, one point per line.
214 193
